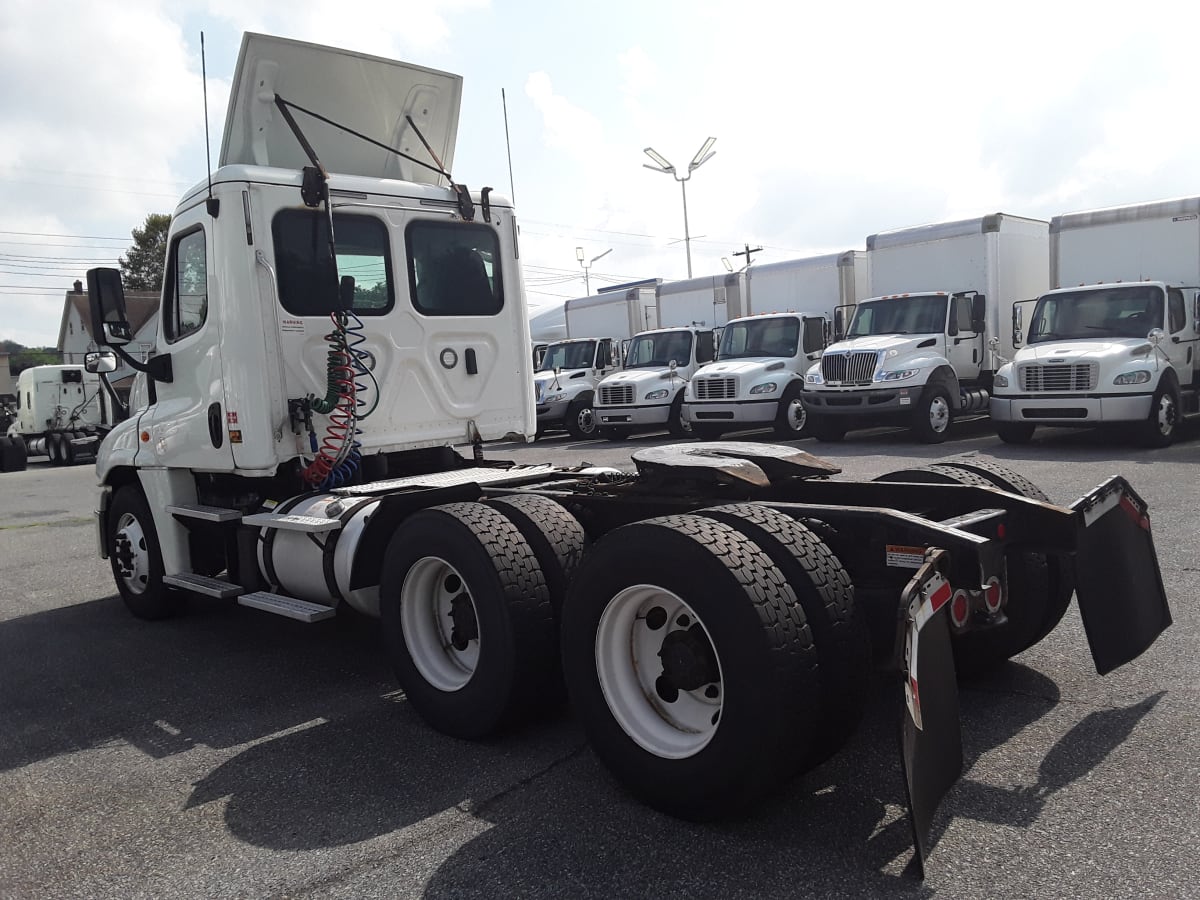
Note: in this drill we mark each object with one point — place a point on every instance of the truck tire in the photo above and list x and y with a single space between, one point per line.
581 419
827 430
825 593
133 552
1041 584
612 432
54 448
1015 432
1160 426
12 454
696 680
66 448
555 536
677 425
467 620
931 417
792 417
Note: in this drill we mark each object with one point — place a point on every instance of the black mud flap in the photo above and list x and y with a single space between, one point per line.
930 738
1117 581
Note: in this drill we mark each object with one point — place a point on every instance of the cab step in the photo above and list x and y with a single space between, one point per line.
205 513
203 584
290 607
309 524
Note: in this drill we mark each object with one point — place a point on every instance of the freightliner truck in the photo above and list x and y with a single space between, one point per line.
335 320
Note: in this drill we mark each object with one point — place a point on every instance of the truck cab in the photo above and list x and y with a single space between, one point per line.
758 376
649 392
1103 354
910 357
564 385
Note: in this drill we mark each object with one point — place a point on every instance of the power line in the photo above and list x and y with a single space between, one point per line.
84 237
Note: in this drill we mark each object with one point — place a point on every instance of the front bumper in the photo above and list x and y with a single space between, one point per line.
751 411
896 401
1063 409
633 416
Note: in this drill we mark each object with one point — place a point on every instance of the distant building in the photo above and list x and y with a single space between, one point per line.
75 332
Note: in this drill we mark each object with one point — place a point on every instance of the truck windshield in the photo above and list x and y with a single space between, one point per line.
761 337
576 355
918 314
659 349
1129 311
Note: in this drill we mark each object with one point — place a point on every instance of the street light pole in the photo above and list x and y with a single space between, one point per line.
587 289
703 155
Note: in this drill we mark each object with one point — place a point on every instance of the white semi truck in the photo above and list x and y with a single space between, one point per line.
331 327
598 327
648 393
1115 342
62 412
917 352
787 313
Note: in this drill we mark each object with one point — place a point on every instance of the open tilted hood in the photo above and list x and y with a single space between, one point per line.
368 94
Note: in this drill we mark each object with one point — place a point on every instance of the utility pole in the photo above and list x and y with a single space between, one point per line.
748 252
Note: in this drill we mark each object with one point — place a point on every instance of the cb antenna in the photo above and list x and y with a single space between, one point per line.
212 204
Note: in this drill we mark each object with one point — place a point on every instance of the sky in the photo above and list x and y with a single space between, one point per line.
832 122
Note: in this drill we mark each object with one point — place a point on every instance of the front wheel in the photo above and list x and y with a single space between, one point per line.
1160 426
705 432
136 559
931 418
1014 432
792 417
697 682
581 419
677 425
827 430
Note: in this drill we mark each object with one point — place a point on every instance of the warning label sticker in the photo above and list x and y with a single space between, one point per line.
292 325
901 557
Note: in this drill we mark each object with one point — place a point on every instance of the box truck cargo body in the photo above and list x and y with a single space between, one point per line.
917 351
788 312
1116 342
710 301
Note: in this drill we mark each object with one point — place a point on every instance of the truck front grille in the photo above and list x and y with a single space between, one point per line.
1065 377
715 388
855 367
616 394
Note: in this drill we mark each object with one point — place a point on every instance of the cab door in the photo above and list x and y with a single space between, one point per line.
186 423
964 337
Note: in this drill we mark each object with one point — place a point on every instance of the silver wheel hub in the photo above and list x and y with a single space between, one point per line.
439 622
132 554
659 671
586 421
939 414
1166 414
797 415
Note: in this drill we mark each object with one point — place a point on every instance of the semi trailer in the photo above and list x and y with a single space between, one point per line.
714 614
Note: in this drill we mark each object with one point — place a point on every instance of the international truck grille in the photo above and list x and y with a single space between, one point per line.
1062 377
715 388
616 394
849 368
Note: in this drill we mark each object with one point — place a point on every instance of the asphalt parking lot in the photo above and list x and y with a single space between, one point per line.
230 753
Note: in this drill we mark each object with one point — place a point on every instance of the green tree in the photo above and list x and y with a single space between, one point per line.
142 266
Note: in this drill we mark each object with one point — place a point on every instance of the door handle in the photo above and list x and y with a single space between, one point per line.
216 433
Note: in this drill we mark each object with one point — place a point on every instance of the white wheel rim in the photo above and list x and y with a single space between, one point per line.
629 667
939 414
131 554
796 415
585 420
427 620
1166 414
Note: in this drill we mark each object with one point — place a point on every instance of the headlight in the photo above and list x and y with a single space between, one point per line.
814 378
896 376
556 398
1000 381
1141 376
767 388
658 395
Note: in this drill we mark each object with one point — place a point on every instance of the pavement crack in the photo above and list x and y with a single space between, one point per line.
482 807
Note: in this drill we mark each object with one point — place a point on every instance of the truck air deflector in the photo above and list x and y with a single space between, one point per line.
381 98
1117 579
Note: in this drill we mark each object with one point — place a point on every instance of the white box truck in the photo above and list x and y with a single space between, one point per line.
648 392
61 412
598 328
1115 342
917 351
296 452
788 311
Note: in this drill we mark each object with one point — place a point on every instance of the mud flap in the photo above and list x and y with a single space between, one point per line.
930 739
1117 580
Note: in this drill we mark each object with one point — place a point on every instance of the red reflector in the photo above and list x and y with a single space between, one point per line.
959 608
940 596
992 596
1001 531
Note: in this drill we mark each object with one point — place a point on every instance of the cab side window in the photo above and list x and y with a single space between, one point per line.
454 269
1176 310
185 289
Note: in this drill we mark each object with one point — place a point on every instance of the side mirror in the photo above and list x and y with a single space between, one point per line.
673 366
1017 320
106 300
1156 336
813 338
97 362
978 313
